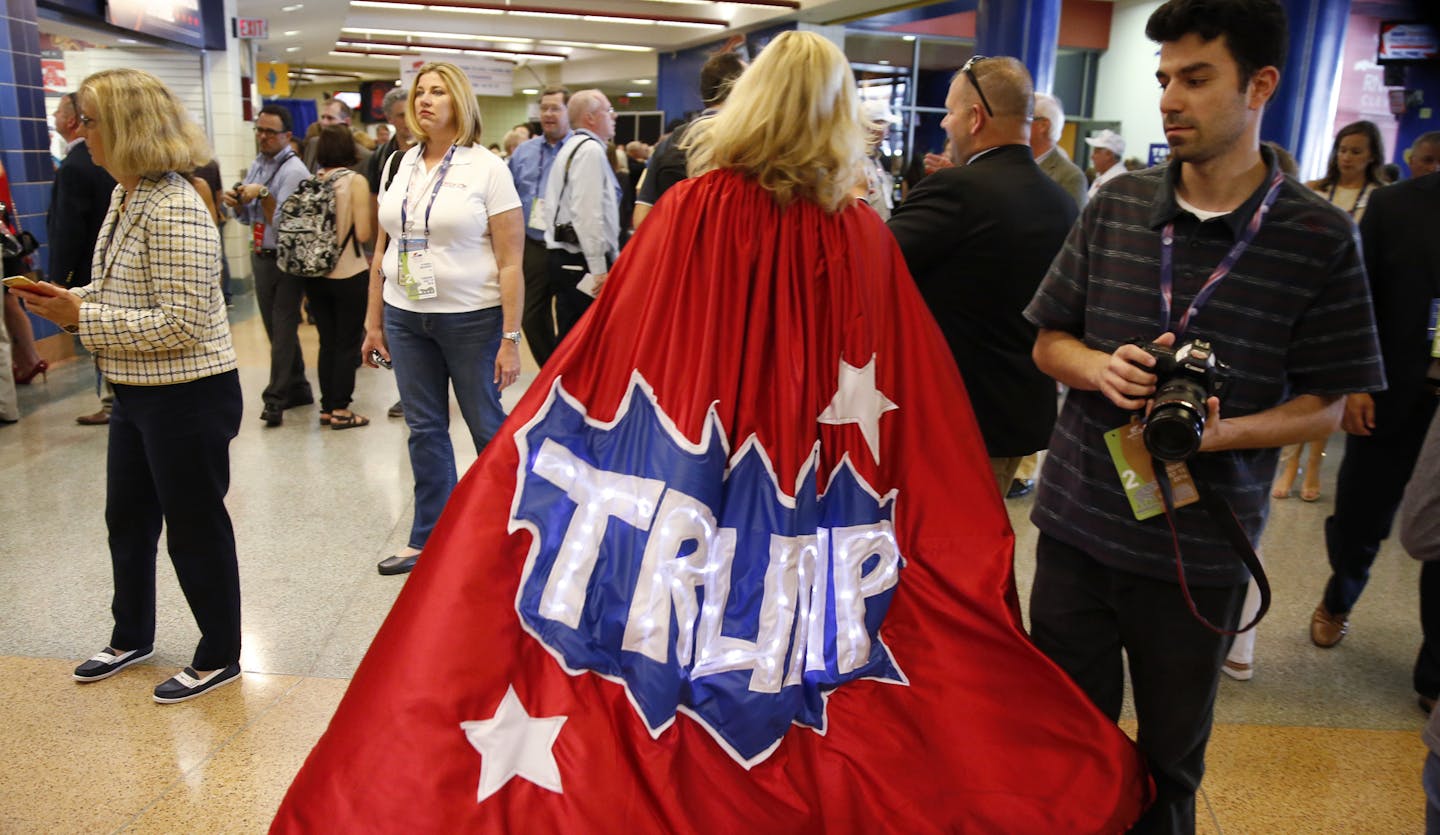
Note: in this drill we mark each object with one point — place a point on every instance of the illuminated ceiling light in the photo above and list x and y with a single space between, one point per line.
600 18
612 46
529 91
884 62
294 7
550 15
371 4
685 24
457 36
640 81
293 48
127 41
907 38
464 10
291 33
635 95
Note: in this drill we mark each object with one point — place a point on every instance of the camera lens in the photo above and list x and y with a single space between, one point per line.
1177 421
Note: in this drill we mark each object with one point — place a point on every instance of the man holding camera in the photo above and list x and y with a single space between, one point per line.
1218 247
582 210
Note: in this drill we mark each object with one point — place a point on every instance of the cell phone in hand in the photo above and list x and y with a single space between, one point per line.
379 359
19 281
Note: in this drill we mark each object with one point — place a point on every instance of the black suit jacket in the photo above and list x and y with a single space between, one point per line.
978 239
79 199
1402 259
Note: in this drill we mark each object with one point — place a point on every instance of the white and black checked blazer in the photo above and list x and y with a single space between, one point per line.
154 313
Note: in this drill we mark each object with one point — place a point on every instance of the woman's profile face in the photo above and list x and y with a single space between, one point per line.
433 105
90 130
1353 153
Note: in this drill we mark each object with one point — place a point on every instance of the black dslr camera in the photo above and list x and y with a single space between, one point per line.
565 234
1187 376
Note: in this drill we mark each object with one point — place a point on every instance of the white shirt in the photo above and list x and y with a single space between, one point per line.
476 187
1110 173
591 201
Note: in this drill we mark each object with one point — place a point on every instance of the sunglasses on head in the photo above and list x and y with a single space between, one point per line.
969 70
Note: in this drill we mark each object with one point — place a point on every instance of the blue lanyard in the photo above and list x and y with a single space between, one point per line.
1167 246
440 178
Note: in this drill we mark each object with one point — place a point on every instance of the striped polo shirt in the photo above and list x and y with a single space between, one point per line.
1293 317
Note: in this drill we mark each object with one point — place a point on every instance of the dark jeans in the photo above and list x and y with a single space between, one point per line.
565 270
169 461
1367 494
278 295
1083 613
338 305
538 320
432 351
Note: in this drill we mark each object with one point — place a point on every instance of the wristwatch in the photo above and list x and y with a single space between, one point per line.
513 336
264 193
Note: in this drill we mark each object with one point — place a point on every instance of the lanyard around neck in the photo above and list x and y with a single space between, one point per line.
434 192
1359 198
1167 259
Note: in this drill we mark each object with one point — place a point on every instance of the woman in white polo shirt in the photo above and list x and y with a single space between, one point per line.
445 299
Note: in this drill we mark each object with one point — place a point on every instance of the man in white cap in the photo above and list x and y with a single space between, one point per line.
1107 149
879 182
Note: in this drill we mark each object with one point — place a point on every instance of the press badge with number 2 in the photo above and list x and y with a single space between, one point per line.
1137 472
417 270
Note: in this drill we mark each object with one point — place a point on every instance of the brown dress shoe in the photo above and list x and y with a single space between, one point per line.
1326 630
100 418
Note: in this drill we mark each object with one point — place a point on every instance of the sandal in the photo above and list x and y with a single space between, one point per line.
350 421
325 418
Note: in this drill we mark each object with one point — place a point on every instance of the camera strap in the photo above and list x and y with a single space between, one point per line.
1224 518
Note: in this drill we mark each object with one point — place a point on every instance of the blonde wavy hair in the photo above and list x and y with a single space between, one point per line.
465 108
144 127
792 122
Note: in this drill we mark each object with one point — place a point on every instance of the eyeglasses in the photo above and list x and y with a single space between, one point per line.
969 70
268 132
86 121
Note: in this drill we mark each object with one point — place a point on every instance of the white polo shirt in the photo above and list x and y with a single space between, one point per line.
477 186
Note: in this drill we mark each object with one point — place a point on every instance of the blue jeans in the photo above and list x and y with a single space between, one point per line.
431 351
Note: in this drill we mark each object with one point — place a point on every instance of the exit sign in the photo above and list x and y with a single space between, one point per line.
251 28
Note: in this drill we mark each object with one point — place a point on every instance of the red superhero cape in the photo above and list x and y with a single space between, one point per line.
736 563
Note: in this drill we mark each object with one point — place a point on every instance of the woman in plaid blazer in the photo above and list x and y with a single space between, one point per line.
154 317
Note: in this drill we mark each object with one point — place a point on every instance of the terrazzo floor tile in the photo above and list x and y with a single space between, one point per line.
239 787
89 757
1276 780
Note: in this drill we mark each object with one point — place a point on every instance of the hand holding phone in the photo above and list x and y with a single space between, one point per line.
379 359
19 281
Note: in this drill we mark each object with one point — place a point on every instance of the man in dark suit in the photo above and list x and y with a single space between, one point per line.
978 238
1388 428
79 199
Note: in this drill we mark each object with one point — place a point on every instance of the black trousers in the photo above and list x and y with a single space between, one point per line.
338 305
538 321
1367 495
565 269
278 295
169 461
1083 613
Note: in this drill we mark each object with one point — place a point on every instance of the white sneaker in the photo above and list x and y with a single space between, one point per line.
1238 670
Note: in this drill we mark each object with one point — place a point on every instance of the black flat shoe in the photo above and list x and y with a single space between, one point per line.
1020 487
397 564
107 663
272 415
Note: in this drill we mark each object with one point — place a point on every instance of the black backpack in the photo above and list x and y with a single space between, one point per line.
305 238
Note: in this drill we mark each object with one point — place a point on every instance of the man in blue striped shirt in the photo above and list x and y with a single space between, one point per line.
530 166
1268 274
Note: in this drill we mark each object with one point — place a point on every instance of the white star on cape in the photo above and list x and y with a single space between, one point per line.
515 744
859 401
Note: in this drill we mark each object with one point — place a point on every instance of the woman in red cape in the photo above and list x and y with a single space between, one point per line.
763 310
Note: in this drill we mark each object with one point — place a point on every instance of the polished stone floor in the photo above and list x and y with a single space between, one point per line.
1319 741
